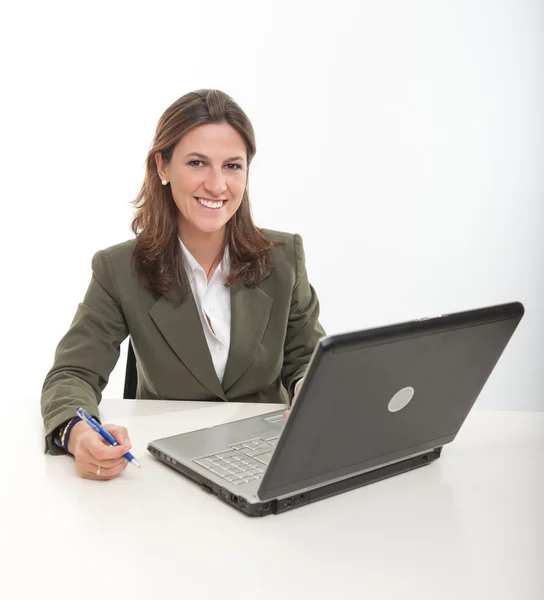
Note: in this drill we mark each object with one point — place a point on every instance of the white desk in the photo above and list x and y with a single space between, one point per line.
468 526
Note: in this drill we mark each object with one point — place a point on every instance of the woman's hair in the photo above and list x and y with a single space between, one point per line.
157 257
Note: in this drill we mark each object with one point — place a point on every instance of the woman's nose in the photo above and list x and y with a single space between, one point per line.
215 183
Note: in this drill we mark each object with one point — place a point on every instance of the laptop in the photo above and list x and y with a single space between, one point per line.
374 403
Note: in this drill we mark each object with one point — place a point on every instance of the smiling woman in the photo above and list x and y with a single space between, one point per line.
200 158
216 308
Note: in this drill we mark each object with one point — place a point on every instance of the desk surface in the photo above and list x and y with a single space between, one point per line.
468 526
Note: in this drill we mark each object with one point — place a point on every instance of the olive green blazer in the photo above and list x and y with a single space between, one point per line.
274 329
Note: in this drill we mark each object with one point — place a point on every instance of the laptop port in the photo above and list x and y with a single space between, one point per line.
224 494
266 507
234 498
207 488
290 502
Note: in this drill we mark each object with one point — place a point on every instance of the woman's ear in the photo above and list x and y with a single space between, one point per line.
160 166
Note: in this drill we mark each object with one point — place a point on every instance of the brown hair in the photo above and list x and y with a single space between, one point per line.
157 256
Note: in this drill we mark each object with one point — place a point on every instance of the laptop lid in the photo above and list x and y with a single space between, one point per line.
382 394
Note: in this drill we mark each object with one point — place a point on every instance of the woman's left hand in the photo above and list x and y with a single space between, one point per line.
297 388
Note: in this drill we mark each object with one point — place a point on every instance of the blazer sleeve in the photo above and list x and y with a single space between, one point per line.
303 327
87 354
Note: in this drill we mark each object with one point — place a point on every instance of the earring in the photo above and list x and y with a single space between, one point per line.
164 182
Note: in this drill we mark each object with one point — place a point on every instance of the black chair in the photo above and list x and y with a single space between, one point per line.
131 375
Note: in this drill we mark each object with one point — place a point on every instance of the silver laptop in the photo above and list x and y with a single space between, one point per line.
373 404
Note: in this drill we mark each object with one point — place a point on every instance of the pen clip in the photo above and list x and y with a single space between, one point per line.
83 414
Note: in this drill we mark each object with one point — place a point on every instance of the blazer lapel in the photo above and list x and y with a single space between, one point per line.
250 311
181 327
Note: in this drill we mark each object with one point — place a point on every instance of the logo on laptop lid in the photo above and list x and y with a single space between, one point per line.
400 399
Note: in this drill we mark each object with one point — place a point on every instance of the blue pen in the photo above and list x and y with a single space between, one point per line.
85 416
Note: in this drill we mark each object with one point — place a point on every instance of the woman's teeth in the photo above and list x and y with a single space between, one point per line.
210 204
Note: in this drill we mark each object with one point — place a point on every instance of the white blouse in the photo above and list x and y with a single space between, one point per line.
213 301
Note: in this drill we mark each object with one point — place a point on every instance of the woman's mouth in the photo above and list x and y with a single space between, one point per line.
211 204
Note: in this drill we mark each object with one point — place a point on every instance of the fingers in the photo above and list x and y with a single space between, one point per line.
297 389
91 470
106 473
107 464
120 434
102 451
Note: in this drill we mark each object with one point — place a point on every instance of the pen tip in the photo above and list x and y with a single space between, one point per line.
136 463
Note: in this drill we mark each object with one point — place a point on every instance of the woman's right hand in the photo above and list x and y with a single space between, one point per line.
95 458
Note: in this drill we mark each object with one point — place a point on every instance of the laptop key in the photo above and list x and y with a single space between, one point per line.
219 471
252 445
224 455
260 451
256 451
264 458
248 452
203 463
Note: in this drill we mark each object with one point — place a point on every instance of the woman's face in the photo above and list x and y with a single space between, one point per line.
207 175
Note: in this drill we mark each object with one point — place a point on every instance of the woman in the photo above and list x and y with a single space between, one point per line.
216 308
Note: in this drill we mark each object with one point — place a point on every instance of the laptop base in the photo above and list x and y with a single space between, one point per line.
274 507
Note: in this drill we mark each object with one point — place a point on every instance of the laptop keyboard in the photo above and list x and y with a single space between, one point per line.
242 462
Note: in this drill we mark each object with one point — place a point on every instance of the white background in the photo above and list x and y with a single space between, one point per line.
402 140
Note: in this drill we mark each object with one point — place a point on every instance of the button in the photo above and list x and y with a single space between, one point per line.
226 454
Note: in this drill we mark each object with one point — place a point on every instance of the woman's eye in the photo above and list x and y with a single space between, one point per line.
201 163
